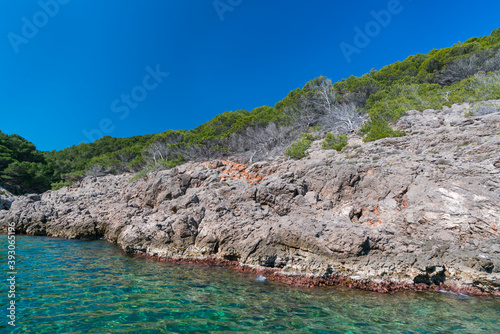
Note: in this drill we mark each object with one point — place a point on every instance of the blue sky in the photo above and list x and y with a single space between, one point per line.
71 70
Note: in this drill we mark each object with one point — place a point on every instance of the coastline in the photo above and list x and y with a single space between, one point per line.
389 215
310 281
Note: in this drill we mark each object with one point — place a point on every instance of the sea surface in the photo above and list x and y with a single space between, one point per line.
71 286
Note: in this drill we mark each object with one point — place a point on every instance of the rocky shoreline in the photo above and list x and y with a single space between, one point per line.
420 212
311 281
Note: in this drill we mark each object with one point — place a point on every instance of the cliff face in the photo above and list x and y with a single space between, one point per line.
424 208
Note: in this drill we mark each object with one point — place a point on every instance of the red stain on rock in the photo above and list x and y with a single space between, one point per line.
494 229
372 223
328 281
233 171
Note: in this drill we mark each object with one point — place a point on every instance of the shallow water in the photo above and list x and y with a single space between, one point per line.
68 286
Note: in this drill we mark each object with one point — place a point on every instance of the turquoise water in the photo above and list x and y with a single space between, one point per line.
68 286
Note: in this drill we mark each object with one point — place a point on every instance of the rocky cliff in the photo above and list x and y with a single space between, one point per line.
416 211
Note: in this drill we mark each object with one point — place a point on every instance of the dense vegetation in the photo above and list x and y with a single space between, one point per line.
465 72
22 167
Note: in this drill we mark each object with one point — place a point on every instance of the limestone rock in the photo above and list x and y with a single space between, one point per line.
424 208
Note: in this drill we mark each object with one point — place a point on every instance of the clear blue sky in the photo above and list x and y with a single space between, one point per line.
62 78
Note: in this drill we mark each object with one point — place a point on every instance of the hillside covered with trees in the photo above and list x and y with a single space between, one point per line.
465 72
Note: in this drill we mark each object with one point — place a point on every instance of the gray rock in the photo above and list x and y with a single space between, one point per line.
6 199
377 211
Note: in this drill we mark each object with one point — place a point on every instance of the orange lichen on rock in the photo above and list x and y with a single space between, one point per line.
233 171
369 222
494 229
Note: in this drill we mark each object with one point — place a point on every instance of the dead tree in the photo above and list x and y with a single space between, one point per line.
342 119
467 66
320 106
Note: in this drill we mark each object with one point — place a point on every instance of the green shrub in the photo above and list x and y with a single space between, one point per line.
298 149
315 129
308 136
59 185
333 142
168 164
378 128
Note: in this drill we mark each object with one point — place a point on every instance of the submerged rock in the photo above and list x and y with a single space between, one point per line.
415 211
